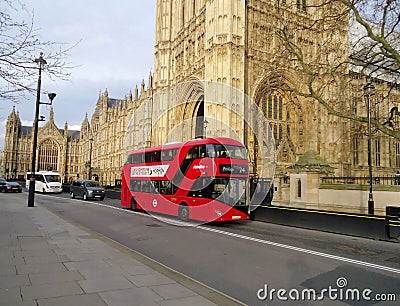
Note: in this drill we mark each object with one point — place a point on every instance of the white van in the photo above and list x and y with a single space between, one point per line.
46 181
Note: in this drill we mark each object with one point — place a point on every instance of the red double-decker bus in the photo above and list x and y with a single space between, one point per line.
202 179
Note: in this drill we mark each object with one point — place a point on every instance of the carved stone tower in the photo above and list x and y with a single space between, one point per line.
13 126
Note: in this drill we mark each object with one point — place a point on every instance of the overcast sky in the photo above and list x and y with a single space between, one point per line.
115 51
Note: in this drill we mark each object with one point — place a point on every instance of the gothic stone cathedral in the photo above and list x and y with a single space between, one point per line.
200 42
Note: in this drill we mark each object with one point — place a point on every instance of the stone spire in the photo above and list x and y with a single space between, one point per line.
51 114
142 88
150 85
66 128
13 115
136 96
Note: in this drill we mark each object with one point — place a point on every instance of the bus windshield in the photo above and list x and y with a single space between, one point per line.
51 178
227 151
230 191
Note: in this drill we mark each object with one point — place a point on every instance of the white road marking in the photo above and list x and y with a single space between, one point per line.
262 241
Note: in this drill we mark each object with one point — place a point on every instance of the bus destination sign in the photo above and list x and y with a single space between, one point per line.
233 169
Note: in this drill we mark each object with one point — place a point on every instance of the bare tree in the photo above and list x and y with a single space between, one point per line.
19 46
335 47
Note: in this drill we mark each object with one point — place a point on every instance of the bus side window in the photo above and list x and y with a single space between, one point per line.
156 156
147 186
203 151
210 150
197 187
193 153
168 155
137 158
166 187
147 157
39 178
155 186
129 159
135 186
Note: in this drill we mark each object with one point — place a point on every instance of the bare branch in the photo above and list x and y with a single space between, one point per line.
317 52
19 46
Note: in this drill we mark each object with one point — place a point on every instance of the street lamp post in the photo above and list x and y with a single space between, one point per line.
90 158
368 89
40 61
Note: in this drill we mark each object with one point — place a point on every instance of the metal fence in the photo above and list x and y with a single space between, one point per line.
361 180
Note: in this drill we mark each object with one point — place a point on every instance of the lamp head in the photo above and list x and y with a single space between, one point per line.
40 60
51 96
369 87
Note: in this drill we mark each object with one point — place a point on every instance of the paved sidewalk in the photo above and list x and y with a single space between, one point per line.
45 260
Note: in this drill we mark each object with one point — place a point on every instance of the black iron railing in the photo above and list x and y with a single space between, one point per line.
361 180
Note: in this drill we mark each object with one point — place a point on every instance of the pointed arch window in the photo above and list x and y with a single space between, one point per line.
274 108
397 154
48 155
377 153
355 148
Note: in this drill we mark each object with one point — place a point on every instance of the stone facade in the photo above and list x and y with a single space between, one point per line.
206 42
58 149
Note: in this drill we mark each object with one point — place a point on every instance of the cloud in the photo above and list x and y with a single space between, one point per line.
115 52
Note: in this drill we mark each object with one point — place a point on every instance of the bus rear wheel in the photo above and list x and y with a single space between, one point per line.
133 204
183 212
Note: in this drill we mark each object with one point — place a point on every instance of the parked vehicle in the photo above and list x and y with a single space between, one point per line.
87 189
3 183
46 181
9 186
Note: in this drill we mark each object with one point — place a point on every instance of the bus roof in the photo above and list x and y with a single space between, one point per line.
193 142
45 172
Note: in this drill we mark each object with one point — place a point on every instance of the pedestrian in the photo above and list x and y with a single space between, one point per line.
286 178
397 177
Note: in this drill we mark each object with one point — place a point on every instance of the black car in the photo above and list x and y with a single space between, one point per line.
87 189
9 186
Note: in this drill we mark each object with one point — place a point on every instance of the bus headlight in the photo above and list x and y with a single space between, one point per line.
219 213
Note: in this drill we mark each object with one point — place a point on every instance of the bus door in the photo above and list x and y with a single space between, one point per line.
261 191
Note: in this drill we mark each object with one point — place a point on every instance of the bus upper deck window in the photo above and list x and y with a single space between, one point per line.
210 150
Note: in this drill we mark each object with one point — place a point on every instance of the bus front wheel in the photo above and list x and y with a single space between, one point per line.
183 212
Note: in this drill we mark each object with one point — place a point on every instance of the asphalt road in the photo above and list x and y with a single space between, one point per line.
249 259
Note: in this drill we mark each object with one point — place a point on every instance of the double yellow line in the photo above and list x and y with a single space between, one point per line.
323 212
